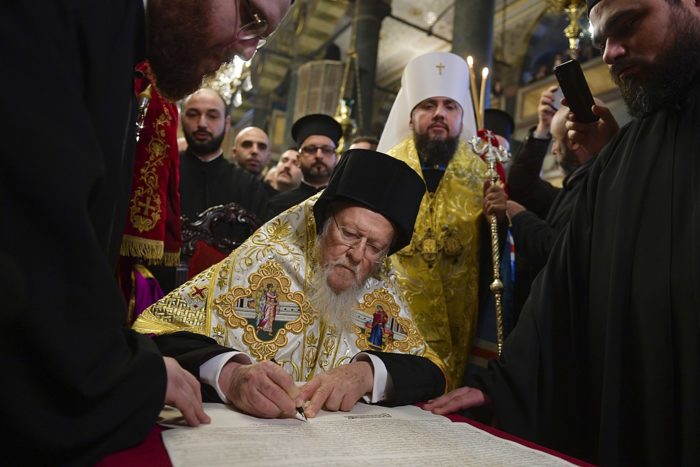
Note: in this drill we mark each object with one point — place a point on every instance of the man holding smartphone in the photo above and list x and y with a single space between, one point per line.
538 210
604 361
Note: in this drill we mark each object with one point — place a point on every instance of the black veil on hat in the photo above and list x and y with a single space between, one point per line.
316 124
499 122
380 183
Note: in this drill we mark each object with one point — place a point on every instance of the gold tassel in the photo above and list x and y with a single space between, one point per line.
171 258
136 247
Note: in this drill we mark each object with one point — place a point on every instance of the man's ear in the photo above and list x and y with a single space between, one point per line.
410 122
227 124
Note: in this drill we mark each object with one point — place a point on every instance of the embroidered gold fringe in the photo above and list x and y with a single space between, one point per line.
171 258
136 247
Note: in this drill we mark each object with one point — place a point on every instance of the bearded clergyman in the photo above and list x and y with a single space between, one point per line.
603 363
429 124
297 303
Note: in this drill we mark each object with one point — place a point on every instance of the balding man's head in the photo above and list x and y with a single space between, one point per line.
251 149
561 149
210 95
558 128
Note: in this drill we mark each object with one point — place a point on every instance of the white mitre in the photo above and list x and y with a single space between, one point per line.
435 74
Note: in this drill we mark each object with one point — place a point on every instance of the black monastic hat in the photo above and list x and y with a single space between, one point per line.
378 182
499 122
316 124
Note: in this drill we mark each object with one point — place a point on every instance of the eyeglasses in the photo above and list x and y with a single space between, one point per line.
353 239
253 24
312 150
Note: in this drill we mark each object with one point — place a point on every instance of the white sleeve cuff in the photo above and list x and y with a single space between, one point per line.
210 370
383 387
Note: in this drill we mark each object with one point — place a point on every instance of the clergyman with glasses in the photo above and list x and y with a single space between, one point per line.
317 137
326 260
80 385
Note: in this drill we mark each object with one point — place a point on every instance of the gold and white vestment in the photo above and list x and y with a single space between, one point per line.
257 301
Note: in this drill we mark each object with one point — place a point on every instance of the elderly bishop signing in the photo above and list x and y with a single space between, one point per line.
310 297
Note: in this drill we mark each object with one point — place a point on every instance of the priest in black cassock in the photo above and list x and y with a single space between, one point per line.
206 178
76 384
317 136
604 363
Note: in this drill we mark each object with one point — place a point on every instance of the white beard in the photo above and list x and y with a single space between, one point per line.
332 308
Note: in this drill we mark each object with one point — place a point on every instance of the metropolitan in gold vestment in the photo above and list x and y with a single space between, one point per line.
439 270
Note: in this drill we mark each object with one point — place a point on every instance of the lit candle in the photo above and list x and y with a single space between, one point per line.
482 97
472 85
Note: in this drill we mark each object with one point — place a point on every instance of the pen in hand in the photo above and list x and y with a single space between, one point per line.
300 415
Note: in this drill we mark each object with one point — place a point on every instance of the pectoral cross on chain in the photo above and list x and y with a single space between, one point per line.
440 67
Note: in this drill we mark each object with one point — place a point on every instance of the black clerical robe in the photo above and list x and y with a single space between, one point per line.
76 384
604 363
534 237
524 183
535 230
207 184
287 199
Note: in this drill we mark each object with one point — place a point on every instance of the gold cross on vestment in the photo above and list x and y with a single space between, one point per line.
147 206
440 67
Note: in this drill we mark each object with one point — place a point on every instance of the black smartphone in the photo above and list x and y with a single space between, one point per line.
575 88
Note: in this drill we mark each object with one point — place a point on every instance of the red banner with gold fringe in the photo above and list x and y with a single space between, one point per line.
152 231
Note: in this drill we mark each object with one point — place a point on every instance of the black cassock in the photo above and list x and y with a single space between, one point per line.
283 201
604 363
76 384
207 184
534 237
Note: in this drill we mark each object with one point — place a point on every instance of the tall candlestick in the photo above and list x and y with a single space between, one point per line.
482 97
472 85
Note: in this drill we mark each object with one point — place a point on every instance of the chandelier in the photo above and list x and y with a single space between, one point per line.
574 10
231 80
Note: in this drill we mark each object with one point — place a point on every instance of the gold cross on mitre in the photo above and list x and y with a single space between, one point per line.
440 67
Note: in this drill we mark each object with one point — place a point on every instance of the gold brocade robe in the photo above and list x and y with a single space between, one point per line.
438 272
256 301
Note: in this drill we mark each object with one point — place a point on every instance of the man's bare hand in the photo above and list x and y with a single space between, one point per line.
592 136
458 399
545 111
495 200
339 388
183 392
262 389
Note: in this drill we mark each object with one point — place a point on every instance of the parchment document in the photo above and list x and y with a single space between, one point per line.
369 435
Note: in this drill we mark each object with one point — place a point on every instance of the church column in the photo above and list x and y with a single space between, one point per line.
368 22
473 34
291 102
